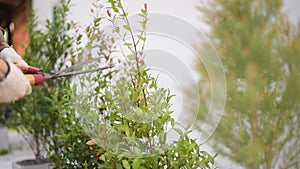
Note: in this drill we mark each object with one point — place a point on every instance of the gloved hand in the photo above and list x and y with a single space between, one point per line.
10 55
15 85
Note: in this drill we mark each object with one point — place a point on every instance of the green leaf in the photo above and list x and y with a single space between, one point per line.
127 27
178 131
79 38
131 57
120 4
117 29
127 44
136 163
144 11
97 22
142 38
143 24
115 9
126 164
119 166
124 14
108 95
122 127
142 69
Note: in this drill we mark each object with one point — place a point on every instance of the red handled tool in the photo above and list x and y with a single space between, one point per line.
36 76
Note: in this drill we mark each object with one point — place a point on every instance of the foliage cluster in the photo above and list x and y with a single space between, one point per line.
45 117
133 111
260 52
120 113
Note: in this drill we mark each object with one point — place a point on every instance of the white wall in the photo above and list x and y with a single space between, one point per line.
292 8
44 9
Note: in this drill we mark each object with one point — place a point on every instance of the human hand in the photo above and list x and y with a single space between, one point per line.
9 54
14 85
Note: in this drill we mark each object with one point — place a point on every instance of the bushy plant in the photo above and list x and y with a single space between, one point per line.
260 53
45 118
120 113
128 113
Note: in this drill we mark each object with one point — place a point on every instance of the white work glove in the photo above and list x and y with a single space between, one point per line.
15 85
10 55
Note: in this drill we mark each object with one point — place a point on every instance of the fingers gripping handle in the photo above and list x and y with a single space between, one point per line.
29 69
31 73
35 79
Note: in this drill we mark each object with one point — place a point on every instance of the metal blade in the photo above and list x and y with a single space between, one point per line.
63 74
71 68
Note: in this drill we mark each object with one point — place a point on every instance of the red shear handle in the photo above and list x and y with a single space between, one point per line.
35 79
29 69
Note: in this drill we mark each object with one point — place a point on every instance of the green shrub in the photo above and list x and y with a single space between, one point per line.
121 113
45 115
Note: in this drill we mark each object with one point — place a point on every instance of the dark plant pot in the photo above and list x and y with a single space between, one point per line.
4 141
31 164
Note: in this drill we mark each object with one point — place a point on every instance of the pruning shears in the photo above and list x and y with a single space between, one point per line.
36 76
